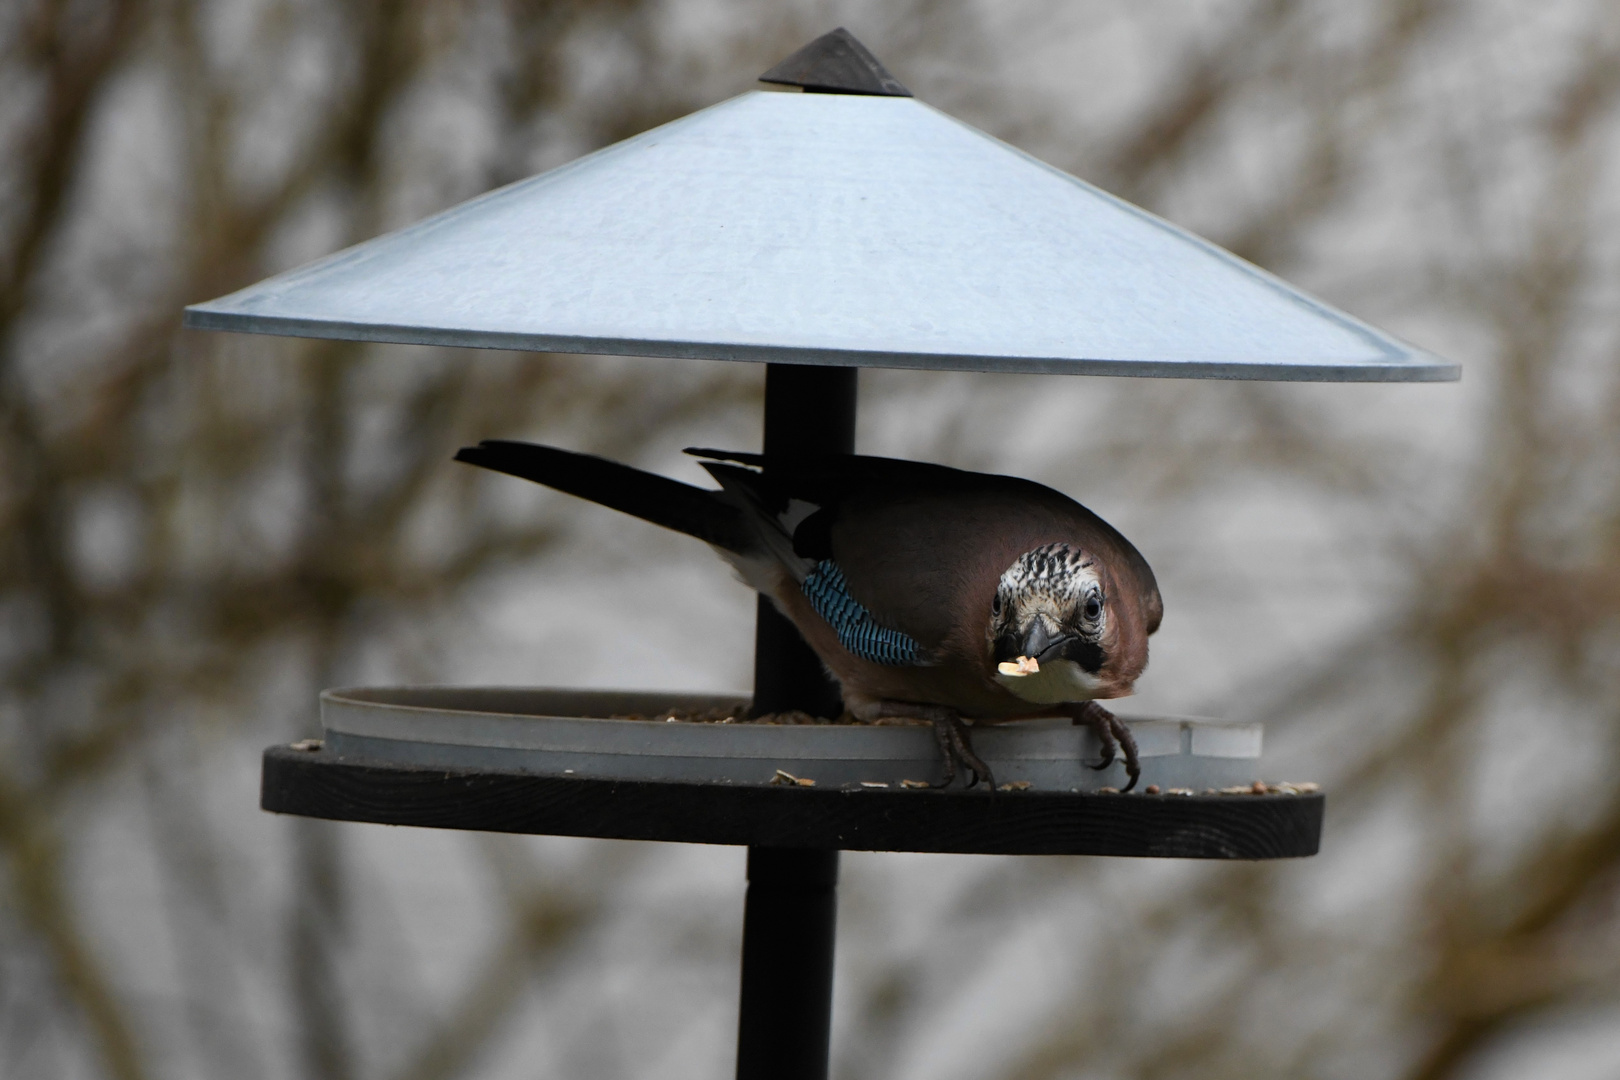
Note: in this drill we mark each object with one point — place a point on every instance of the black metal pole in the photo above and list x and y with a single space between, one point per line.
789 924
808 411
785 1011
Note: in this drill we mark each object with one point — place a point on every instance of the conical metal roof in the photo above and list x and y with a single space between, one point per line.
846 229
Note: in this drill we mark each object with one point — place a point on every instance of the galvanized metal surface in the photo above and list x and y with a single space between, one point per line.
824 229
570 733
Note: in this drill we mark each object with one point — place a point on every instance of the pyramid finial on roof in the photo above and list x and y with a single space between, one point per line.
836 63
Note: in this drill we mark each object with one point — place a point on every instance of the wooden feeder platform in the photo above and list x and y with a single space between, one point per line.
582 763
318 783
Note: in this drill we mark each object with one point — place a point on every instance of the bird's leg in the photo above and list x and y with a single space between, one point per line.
1113 734
1105 734
952 735
955 745
947 751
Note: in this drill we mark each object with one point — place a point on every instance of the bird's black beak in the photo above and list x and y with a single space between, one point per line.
1041 644
1045 647
1036 639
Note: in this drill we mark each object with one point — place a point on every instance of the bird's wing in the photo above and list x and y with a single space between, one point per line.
876 543
797 503
772 519
919 548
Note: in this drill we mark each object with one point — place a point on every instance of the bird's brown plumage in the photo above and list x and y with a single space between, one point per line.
922 548
908 558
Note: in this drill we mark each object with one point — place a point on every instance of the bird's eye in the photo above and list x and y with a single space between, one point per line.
995 605
1093 607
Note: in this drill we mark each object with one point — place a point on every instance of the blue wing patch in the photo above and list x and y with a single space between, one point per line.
857 631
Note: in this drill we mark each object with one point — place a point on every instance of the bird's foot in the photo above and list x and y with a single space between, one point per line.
955 745
1114 736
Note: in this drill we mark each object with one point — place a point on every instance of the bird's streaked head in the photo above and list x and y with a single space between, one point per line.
1053 605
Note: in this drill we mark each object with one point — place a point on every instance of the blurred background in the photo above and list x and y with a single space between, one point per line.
1417 587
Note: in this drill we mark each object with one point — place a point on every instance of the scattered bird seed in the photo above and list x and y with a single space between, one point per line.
307 744
1108 791
1015 785
873 783
915 784
1152 789
1260 787
784 777
1180 791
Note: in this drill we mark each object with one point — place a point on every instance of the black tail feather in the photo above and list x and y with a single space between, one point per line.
826 479
755 460
685 508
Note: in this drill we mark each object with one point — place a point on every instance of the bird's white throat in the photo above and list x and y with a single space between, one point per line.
1057 681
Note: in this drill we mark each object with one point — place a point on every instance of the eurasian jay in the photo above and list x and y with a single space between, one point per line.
928 592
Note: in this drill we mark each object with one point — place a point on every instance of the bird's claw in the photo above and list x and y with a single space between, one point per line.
955 745
1114 736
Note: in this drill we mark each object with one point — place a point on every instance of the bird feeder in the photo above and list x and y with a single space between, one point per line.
844 227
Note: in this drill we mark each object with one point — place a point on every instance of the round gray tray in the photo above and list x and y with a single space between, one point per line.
585 734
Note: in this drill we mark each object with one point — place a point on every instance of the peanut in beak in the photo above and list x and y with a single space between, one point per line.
1024 665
